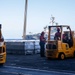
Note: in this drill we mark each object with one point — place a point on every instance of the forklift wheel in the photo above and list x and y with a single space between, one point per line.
74 54
1 64
62 56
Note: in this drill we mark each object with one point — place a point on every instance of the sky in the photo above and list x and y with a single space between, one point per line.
38 16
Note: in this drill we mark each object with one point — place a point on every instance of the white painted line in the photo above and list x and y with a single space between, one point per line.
58 71
9 72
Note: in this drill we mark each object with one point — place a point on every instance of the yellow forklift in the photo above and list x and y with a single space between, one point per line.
2 49
60 46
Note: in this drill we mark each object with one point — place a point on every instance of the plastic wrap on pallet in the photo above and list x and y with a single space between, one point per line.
29 45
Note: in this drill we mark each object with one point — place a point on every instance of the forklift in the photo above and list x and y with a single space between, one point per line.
2 48
60 46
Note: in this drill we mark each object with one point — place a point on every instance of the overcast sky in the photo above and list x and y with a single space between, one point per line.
38 15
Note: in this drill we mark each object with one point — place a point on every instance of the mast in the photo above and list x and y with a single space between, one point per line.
25 19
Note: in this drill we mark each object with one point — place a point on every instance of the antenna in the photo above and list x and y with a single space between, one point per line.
53 21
